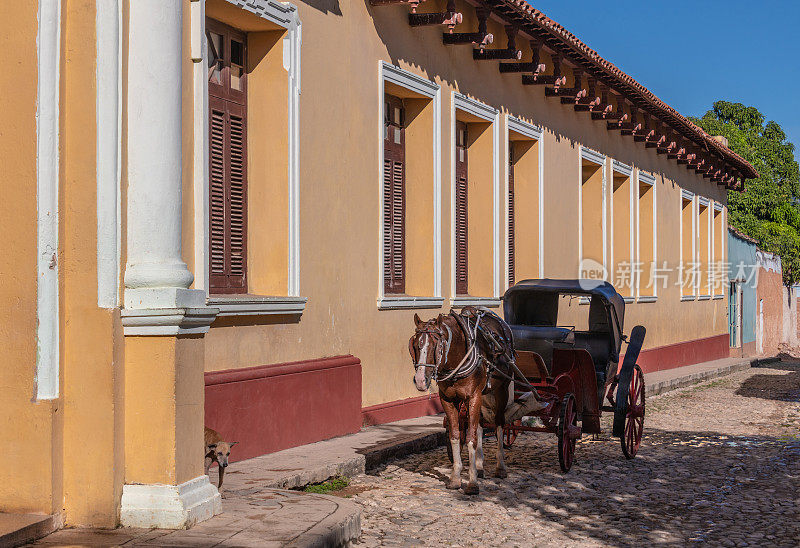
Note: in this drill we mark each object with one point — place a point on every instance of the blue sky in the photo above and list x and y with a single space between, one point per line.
693 52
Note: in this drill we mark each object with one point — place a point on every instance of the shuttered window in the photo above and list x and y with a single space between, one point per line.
461 208
511 261
227 132
394 201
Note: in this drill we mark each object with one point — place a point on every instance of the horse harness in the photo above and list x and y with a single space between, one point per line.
470 322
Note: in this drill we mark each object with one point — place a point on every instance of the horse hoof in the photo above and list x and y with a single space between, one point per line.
471 489
501 473
454 484
480 474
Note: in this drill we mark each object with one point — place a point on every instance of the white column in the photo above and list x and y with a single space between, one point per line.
155 274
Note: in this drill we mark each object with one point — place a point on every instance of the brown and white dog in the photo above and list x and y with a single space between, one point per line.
217 450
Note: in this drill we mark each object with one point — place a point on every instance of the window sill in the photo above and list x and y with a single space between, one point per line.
719 297
628 300
465 300
647 299
405 302
254 305
686 298
704 298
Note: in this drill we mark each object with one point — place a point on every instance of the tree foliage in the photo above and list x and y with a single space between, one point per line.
768 209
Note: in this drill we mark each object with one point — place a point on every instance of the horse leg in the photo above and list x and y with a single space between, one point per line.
479 461
453 433
474 415
501 393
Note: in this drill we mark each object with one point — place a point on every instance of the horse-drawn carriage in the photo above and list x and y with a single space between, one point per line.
560 347
572 362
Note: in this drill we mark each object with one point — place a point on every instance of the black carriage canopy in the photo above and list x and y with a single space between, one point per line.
535 303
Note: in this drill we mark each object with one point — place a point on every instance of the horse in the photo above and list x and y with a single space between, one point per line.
466 354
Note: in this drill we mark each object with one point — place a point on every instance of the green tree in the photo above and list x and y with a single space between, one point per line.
767 209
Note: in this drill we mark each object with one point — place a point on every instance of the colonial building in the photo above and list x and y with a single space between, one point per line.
229 211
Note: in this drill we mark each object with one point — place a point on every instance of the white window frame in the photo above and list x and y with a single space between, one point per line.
534 132
710 251
648 179
687 195
284 15
600 159
431 90
491 115
723 238
627 171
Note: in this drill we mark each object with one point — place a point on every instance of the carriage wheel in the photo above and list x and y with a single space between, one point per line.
568 432
510 432
634 418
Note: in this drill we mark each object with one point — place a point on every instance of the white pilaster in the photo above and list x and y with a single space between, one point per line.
156 278
154 156
169 506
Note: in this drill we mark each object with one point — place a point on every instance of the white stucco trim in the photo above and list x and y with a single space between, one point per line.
533 132
492 115
431 90
252 305
599 159
405 302
48 42
109 149
285 15
466 300
169 506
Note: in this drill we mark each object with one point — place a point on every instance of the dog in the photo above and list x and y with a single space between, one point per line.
217 450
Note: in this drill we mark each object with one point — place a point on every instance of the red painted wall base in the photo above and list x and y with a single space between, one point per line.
684 353
401 409
274 407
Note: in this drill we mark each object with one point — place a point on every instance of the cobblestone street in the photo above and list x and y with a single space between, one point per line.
719 464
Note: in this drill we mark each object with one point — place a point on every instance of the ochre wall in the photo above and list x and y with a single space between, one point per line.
339 190
30 477
526 209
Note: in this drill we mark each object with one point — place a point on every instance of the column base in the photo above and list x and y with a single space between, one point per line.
169 506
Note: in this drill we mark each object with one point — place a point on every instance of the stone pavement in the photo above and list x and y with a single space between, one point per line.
719 466
256 513
252 516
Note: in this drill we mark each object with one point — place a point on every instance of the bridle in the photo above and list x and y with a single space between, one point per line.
469 363
441 348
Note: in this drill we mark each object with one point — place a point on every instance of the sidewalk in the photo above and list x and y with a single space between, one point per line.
258 511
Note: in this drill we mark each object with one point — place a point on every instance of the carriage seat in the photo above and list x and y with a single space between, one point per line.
540 339
523 333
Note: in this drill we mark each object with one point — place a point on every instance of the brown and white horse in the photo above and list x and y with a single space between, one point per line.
459 356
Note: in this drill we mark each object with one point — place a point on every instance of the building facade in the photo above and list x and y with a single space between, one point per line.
228 212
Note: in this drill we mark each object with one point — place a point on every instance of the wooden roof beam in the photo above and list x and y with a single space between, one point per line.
535 65
510 51
449 18
413 3
556 78
480 38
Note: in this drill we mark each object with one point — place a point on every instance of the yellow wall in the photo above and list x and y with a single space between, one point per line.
592 205
646 281
419 196
526 208
268 167
339 193
622 268
30 478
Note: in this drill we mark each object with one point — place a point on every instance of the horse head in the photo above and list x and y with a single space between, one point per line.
428 347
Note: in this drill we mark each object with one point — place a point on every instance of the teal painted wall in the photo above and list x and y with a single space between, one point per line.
742 252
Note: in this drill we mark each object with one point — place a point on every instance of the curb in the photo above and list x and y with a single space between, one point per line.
351 466
680 382
36 527
340 528
394 449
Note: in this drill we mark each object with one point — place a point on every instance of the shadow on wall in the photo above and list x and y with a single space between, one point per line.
325 6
